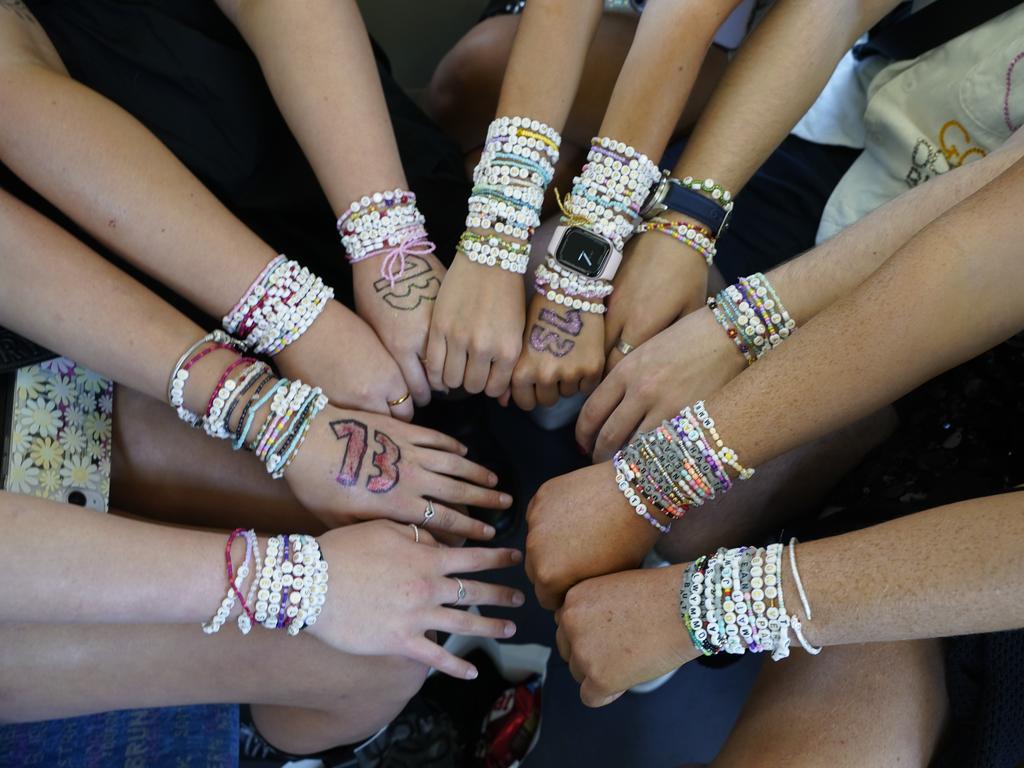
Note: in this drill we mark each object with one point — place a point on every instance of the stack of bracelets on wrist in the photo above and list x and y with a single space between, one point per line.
753 316
732 601
697 237
288 589
249 384
517 164
676 466
385 224
606 198
278 307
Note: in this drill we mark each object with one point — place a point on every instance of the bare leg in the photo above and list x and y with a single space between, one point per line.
164 470
783 488
306 696
854 706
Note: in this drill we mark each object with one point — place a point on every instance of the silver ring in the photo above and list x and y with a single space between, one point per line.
462 591
428 513
415 530
624 347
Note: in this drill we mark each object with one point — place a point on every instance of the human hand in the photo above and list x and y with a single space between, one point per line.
386 592
621 630
688 361
400 313
580 526
477 328
660 280
340 353
362 466
563 353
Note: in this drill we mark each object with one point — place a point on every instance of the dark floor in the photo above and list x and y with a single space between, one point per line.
654 730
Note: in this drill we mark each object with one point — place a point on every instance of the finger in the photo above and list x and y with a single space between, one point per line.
466 623
431 438
451 526
549 599
474 559
589 383
597 409
415 379
454 366
436 348
618 428
569 387
614 358
524 394
562 641
593 695
547 394
478 369
479 593
453 465
613 322
499 378
423 650
576 668
459 492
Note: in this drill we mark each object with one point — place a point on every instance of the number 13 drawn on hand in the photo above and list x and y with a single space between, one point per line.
386 460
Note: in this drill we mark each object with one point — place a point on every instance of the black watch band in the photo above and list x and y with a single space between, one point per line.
689 202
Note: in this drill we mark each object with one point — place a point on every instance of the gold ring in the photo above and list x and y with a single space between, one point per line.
624 347
400 400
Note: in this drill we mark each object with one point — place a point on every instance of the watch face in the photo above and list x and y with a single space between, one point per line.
583 252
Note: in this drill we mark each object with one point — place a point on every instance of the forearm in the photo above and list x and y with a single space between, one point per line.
320 67
547 59
811 282
933 305
776 76
107 172
103 568
668 50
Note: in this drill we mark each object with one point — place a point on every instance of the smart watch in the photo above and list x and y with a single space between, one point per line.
672 195
585 253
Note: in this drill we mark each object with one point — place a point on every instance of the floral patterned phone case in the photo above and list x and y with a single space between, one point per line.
58 433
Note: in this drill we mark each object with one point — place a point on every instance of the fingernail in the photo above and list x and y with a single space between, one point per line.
510 629
464 449
488 530
517 556
471 673
506 499
518 598
492 479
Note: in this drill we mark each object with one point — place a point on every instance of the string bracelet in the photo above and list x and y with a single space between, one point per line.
278 307
235 581
386 225
180 373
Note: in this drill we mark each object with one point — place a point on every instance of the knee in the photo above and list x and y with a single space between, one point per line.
468 79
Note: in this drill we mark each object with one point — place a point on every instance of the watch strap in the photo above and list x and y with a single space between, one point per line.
690 202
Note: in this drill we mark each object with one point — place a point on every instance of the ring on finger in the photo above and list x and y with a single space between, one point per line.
416 531
400 400
428 513
624 347
462 591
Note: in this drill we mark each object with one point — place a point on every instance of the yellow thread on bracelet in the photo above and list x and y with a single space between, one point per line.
568 217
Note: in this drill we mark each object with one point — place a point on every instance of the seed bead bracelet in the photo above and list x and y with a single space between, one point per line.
235 581
698 239
386 224
180 373
710 188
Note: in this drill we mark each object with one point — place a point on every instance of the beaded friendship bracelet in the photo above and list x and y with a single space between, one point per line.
675 466
732 602
288 589
753 316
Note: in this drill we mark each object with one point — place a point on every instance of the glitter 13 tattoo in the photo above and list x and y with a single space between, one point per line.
385 460
417 284
546 340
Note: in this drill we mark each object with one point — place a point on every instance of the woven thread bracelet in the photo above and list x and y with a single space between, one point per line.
753 316
279 306
681 463
386 224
